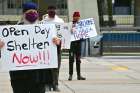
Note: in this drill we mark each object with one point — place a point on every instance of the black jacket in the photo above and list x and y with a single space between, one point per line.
34 75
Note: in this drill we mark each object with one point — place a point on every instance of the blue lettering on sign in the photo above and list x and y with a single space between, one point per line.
83 29
85 22
82 33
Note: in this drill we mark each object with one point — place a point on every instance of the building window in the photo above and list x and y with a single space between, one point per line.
122 7
62 7
12 4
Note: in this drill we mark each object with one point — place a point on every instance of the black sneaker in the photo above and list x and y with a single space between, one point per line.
70 78
81 78
55 88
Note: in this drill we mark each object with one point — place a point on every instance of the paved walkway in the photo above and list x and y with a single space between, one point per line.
104 75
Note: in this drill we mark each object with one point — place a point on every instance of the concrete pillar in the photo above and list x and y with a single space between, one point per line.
88 9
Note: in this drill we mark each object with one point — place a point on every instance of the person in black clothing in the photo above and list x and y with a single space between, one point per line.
27 81
31 81
75 51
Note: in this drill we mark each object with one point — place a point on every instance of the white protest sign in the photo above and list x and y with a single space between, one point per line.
28 47
84 29
63 32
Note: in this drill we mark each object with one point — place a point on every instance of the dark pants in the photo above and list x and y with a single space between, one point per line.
55 71
26 81
72 55
75 52
26 86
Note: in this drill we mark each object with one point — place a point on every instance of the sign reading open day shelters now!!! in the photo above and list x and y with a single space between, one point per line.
28 47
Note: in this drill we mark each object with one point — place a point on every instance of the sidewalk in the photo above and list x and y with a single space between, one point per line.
103 75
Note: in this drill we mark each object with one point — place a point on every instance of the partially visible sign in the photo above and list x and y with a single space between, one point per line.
63 32
28 47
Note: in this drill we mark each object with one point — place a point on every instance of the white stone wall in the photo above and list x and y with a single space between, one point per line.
87 8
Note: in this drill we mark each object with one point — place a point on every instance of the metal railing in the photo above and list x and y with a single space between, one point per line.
123 37
121 19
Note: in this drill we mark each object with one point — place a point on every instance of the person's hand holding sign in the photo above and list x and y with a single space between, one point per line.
73 30
1 44
56 40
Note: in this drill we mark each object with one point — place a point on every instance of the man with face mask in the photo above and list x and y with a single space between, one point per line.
30 14
26 81
52 17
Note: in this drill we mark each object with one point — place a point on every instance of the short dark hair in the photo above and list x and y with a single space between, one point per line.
51 7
